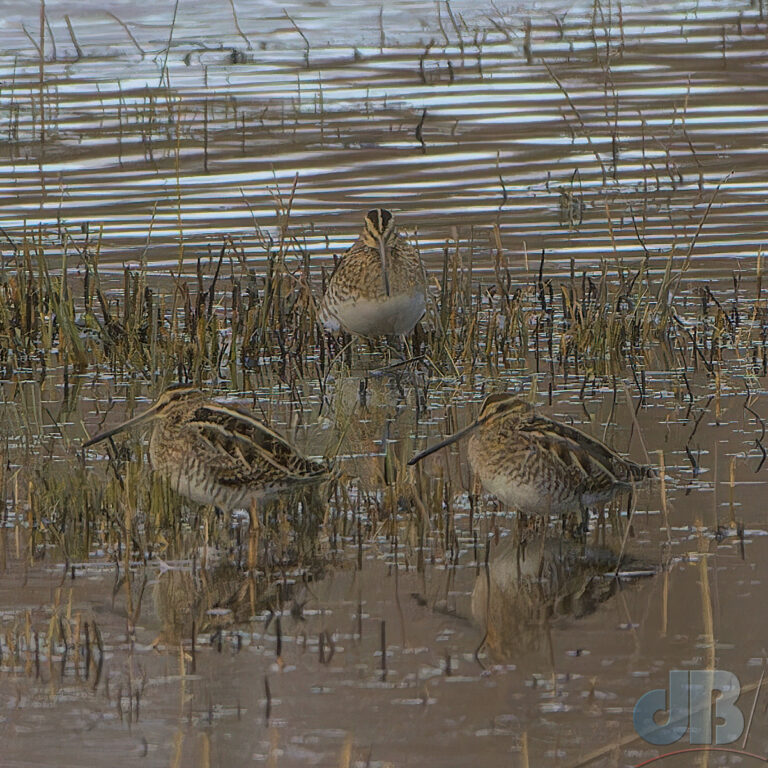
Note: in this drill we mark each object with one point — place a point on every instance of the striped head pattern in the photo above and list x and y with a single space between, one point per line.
379 227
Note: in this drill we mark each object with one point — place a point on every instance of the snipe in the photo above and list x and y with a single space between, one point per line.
539 466
217 454
378 288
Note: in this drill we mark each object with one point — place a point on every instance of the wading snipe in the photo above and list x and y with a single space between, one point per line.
216 454
378 287
537 465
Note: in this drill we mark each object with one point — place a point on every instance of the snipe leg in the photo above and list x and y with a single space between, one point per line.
584 528
400 348
254 529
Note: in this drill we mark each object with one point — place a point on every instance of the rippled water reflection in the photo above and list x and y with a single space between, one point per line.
640 111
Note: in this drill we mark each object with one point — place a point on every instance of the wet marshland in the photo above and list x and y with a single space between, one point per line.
586 186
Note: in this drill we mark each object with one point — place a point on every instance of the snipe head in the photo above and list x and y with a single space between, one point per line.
175 402
494 407
379 233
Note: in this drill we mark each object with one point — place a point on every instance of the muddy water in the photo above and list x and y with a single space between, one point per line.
391 654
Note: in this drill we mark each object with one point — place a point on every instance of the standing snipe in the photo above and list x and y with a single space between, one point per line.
378 287
217 454
537 465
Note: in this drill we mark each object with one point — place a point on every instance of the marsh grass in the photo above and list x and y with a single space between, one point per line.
265 327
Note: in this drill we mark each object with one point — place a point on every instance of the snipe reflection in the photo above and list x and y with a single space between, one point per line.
543 579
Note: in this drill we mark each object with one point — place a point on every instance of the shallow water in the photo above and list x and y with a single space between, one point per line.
376 653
